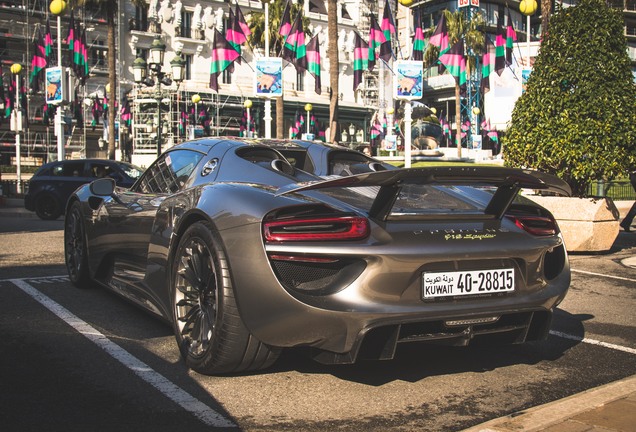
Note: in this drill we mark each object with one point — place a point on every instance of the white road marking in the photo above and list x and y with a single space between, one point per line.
603 275
593 342
203 412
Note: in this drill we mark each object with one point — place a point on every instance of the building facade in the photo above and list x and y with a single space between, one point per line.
186 27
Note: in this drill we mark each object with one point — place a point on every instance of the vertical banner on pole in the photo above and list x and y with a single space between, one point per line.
408 80
55 85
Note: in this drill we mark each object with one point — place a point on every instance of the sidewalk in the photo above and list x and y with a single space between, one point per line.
14 207
611 407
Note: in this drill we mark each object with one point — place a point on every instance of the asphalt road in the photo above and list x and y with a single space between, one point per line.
78 360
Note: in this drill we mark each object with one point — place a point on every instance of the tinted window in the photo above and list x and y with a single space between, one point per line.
100 169
298 159
69 169
348 163
169 173
130 170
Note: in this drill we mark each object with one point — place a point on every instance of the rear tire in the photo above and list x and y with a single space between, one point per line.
75 250
208 327
47 207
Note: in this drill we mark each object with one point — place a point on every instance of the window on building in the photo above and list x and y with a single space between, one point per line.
186 24
300 81
97 54
344 12
188 66
141 52
226 76
140 22
318 6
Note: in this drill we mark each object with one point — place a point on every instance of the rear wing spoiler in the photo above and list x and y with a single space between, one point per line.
508 182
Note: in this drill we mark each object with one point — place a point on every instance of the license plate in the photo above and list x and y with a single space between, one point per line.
461 283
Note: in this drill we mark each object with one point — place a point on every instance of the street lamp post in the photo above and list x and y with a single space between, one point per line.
528 8
196 98
476 112
389 130
16 122
155 64
308 108
248 104
57 8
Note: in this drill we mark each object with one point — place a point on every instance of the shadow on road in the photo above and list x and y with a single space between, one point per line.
414 362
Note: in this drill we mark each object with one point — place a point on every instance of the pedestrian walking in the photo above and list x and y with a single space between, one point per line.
627 221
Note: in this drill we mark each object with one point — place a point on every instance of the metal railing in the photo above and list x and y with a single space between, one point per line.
617 190
9 188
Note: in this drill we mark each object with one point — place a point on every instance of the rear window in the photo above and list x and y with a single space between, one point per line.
414 199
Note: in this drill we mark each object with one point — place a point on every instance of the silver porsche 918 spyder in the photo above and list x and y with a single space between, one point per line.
250 246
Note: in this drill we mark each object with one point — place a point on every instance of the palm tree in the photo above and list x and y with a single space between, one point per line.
546 10
257 39
459 27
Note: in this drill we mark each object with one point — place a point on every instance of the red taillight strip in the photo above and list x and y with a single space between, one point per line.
316 229
526 223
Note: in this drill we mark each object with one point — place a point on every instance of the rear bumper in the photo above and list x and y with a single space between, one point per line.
380 342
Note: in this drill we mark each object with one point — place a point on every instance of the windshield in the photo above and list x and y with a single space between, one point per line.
131 170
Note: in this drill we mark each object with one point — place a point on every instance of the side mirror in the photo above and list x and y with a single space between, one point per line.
103 187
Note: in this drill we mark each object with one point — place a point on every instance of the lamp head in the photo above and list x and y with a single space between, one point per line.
178 68
139 69
528 7
157 50
57 7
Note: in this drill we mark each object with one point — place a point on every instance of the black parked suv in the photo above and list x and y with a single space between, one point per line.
54 182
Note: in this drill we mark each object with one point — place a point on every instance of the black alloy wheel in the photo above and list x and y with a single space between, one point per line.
47 207
209 331
75 250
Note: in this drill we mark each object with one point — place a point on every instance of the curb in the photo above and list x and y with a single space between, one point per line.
550 414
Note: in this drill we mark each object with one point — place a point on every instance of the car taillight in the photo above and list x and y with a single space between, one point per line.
536 225
316 229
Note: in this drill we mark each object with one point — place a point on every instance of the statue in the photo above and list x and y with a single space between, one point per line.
197 24
208 18
165 11
178 6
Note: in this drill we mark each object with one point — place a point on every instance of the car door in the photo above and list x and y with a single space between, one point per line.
128 221
66 178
